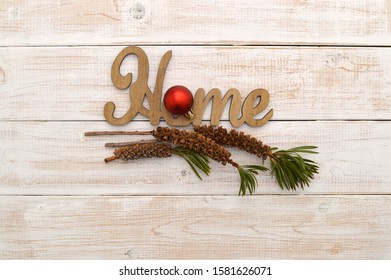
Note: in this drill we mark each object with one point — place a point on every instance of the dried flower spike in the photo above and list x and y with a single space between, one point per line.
201 145
234 138
138 151
289 168
193 141
197 161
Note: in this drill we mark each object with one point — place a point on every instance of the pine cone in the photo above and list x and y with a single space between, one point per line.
193 141
154 150
233 138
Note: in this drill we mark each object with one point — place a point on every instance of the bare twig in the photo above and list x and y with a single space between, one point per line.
123 144
97 133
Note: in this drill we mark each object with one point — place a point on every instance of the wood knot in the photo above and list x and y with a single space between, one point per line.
2 76
137 11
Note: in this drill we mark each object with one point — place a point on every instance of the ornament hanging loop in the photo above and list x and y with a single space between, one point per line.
189 115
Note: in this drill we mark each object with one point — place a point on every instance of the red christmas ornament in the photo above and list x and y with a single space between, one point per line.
178 100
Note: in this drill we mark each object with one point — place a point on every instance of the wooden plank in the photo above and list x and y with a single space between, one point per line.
218 227
54 158
304 83
47 22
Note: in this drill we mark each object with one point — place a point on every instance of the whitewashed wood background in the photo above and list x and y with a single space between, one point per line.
326 64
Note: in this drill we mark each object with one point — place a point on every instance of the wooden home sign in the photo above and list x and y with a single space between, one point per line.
256 101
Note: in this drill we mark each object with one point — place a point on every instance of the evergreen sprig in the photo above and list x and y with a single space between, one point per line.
248 181
290 169
195 160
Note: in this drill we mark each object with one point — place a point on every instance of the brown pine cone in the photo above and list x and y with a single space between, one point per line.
234 138
195 142
154 150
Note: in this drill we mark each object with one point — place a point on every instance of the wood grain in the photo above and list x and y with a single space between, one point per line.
304 83
59 200
331 22
54 158
218 227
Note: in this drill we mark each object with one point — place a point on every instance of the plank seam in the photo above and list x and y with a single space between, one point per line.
204 120
206 195
202 45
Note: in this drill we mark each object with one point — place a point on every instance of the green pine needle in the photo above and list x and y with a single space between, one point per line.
290 169
195 160
248 181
